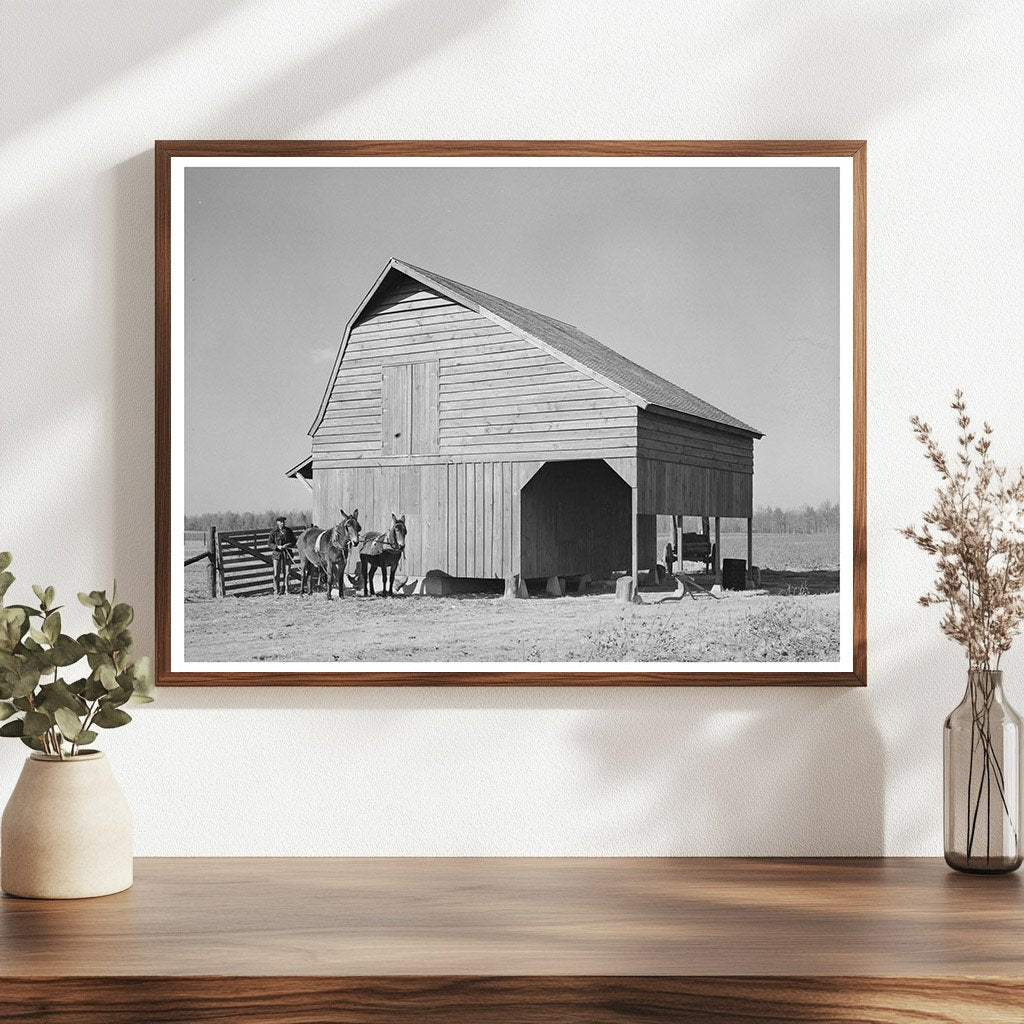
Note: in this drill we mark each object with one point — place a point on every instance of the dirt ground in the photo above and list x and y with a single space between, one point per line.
794 617
741 627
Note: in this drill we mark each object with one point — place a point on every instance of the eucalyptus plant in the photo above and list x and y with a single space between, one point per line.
37 704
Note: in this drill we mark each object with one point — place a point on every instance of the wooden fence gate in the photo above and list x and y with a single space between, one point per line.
244 565
240 563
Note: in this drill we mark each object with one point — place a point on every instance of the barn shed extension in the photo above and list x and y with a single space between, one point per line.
515 444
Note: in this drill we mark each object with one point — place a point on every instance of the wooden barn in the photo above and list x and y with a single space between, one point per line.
515 444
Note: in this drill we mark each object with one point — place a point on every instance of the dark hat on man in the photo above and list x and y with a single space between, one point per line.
281 519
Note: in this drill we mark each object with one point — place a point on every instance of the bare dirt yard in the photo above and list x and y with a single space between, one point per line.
794 618
741 627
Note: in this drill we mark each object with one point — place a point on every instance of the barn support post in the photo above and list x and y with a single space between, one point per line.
634 567
750 547
718 550
211 561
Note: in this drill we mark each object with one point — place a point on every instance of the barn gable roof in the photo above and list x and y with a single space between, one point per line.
635 382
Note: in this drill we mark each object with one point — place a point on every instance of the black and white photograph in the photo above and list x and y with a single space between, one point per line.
456 414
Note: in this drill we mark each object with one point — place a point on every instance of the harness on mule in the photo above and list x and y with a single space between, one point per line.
375 544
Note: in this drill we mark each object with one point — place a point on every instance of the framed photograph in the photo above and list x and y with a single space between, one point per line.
527 413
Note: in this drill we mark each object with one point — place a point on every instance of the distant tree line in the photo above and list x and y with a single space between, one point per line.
823 518
246 520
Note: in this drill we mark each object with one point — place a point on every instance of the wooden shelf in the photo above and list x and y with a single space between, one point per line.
507 940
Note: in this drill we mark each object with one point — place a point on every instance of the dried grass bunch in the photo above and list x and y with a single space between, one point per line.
975 529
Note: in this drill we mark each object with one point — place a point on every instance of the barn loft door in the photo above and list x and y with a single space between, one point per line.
410 413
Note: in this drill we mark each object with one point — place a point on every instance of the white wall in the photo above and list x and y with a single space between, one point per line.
935 87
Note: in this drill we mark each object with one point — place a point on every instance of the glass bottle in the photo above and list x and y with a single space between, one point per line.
981 774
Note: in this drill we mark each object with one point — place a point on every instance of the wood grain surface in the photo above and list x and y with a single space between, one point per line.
496 939
165 150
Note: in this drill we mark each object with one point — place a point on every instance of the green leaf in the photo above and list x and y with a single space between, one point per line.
109 717
94 689
51 626
27 681
5 559
89 600
36 723
29 611
13 626
66 651
6 710
59 695
69 724
122 616
40 593
107 676
50 595
38 635
86 736
142 677
115 698
13 728
94 645
6 579
31 741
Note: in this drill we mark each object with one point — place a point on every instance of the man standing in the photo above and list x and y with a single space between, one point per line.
670 558
282 545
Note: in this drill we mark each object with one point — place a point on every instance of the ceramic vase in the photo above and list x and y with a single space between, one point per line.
66 831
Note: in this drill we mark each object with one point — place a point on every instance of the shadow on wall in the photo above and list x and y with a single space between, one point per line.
62 33
691 771
731 772
393 39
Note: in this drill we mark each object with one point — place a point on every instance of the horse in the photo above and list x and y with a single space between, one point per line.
327 550
383 551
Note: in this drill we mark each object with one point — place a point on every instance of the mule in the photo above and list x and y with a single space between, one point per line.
327 551
382 551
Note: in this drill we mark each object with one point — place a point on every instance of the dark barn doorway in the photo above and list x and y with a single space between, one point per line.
575 520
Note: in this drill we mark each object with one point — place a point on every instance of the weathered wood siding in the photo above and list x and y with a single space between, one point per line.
676 440
496 396
670 488
686 468
575 520
464 518
646 542
442 415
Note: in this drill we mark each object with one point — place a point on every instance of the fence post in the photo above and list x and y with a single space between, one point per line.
211 551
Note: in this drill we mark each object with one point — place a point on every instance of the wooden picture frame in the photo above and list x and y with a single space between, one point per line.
849 155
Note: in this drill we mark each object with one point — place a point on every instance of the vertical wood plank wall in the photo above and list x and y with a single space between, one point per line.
575 521
690 469
669 488
464 518
646 541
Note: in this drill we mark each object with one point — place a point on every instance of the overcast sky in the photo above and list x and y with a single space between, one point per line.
724 280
